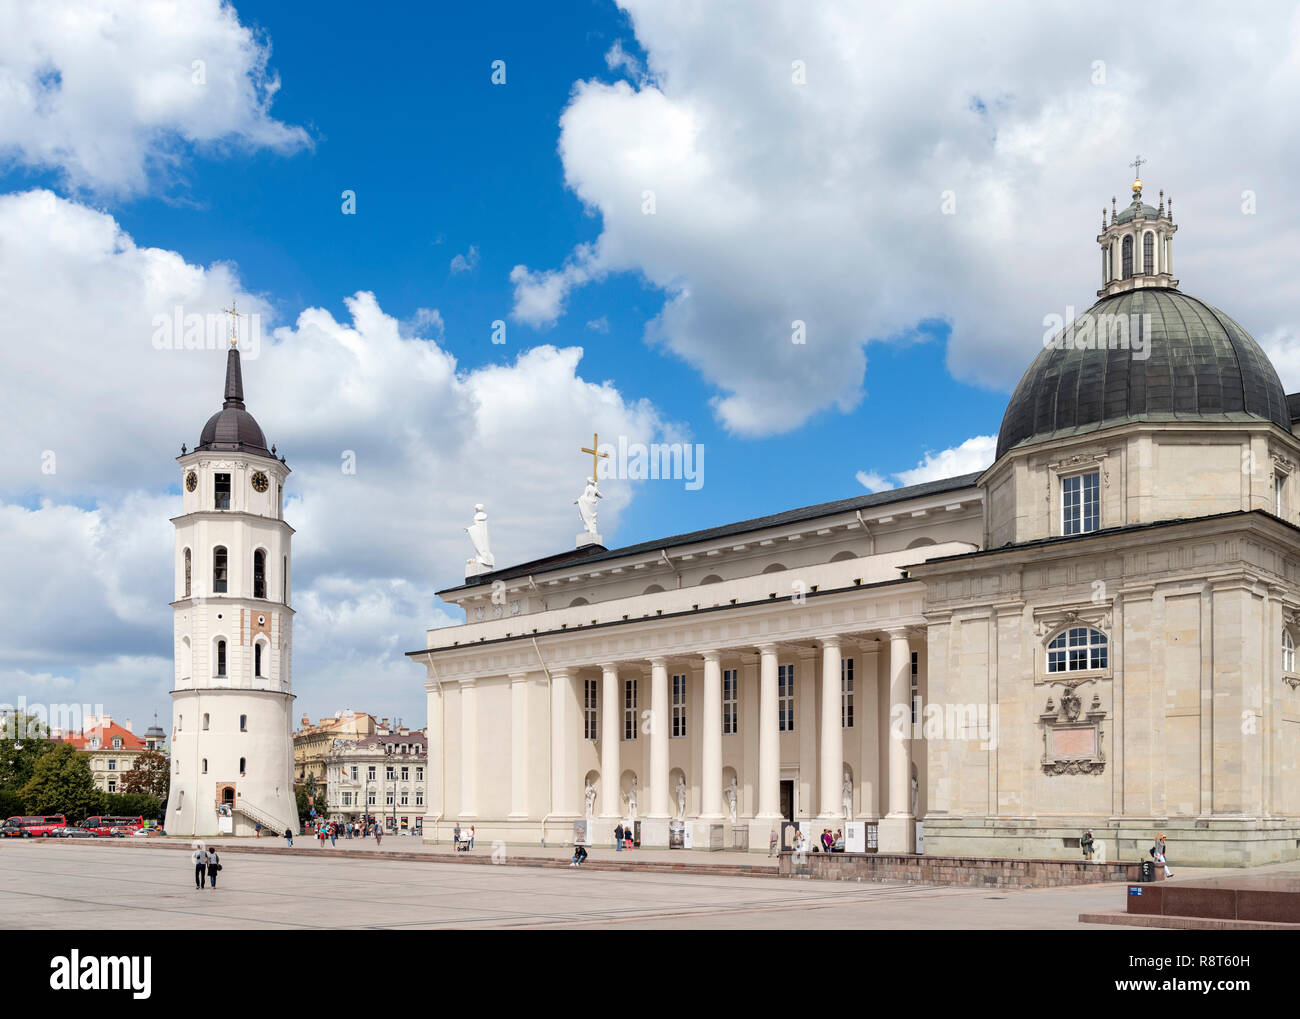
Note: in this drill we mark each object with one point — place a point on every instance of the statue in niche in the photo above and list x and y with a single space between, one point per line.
680 793
589 797
846 795
630 798
732 796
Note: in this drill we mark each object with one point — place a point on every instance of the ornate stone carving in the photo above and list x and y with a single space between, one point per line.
1048 622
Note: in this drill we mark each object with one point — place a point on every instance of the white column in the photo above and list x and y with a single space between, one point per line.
561 784
896 835
769 738
711 730
832 757
437 764
518 744
658 737
610 708
468 748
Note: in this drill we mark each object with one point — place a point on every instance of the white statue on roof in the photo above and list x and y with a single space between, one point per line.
586 504
483 559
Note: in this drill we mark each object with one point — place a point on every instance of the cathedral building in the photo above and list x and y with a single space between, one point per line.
1098 631
232 701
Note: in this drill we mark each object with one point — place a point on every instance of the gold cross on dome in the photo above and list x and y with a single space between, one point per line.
595 454
234 323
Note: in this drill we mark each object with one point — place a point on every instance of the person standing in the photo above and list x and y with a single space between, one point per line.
378 835
334 835
618 836
1088 844
455 836
214 865
200 858
258 830
471 836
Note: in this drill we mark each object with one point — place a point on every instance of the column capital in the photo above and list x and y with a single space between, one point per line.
658 662
563 672
467 680
898 633
607 667
770 648
712 657
518 677
833 641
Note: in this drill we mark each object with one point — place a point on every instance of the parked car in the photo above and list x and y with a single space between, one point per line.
78 833
34 826
149 833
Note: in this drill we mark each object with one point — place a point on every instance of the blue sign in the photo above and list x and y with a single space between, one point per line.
1134 890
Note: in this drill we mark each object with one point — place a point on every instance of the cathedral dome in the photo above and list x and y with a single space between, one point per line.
232 427
1184 361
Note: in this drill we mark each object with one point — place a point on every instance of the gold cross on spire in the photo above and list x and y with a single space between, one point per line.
234 323
595 454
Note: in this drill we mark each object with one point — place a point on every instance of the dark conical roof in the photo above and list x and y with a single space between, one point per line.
1200 365
232 427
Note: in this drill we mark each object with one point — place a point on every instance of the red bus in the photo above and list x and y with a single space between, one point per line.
33 826
101 824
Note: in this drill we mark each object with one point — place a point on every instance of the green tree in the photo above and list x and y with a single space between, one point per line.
150 776
24 740
61 783
133 804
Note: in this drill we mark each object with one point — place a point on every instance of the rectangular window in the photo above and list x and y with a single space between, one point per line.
221 491
916 686
419 797
370 798
590 715
370 773
219 570
405 802
388 773
630 727
388 798
730 701
846 693
419 774
112 766
406 774
1080 503
354 773
112 786
785 697
679 706
1279 482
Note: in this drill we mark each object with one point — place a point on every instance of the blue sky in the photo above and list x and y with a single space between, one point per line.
777 199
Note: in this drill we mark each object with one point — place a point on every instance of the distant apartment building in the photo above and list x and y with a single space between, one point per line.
383 776
111 748
312 743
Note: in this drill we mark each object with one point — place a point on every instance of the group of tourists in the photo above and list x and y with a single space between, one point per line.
334 830
462 839
624 838
826 842
206 861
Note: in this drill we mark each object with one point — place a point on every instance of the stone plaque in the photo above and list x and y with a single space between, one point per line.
1078 741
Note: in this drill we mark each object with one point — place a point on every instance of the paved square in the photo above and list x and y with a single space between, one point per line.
56 885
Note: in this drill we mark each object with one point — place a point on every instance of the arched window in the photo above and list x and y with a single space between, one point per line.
206 718
920 542
774 568
242 762
1077 649
205 765
221 660
653 589
187 573
843 555
1149 253
259 573
243 723
1126 258
578 601
1288 652
257 659
712 578
219 570
187 658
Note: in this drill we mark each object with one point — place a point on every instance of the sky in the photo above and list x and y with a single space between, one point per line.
818 243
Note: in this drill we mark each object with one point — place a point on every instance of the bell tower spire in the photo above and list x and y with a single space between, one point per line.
1137 244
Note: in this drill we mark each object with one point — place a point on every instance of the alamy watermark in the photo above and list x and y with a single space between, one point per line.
175 330
640 461
37 720
1098 332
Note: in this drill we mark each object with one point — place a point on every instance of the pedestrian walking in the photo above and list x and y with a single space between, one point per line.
258 829
334 834
1158 852
378 835
214 865
200 858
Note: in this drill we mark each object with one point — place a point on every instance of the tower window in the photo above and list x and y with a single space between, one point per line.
257 659
259 573
284 580
243 723
1080 503
205 765
242 762
219 571
187 573
1126 257
1149 253
221 662
221 491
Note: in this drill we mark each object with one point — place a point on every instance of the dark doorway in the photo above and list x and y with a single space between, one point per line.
787 799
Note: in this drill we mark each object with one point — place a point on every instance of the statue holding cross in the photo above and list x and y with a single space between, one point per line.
586 502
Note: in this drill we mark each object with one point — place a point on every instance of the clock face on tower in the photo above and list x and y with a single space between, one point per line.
191 481
260 482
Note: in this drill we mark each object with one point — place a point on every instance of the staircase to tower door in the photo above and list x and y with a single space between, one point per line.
259 816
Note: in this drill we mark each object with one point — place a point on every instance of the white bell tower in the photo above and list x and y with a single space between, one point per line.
232 699
1137 245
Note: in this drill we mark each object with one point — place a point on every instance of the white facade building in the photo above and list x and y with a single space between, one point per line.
232 703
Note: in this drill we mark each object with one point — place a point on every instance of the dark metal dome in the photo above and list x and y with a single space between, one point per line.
1200 365
232 427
